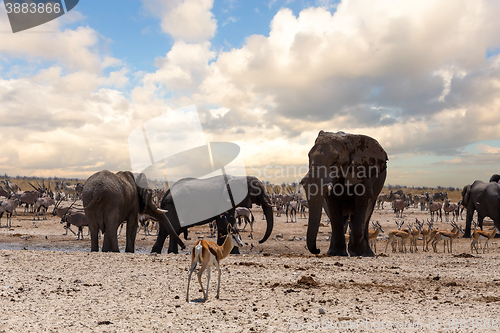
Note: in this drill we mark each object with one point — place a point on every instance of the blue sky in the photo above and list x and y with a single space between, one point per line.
265 74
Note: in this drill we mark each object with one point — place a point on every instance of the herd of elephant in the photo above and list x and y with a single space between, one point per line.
345 176
346 173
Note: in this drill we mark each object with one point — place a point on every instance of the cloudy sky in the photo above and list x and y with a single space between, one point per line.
422 77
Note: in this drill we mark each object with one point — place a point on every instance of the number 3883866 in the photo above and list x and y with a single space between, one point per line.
33 8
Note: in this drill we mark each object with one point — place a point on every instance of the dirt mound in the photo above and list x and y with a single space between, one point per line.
307 281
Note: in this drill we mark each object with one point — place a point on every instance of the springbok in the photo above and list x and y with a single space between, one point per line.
479 234
208 254
414 235
426 234
447 236
392 232
373 234
399 235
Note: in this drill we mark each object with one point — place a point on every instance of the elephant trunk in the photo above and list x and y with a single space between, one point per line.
268 212
162 218
315 184
315 211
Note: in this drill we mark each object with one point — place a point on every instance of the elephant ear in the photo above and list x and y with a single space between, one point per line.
466 194
145 198
239 189
368 157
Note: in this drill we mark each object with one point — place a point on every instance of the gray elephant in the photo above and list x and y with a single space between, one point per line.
483 198
348 171
495 178
192 202
109 199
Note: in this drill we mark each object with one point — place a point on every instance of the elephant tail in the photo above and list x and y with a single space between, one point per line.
95 198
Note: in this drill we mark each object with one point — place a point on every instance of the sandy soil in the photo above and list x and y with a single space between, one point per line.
51 283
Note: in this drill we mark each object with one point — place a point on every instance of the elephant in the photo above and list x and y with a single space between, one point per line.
348 171
109 199
205 195
483 198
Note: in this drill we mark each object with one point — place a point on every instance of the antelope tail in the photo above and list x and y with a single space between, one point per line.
197 253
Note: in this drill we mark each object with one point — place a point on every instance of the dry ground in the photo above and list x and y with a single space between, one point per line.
50 282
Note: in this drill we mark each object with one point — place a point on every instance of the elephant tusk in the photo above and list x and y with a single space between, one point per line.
162 210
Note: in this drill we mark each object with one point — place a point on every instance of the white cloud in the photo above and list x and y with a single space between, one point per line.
186 20
73 49
416 80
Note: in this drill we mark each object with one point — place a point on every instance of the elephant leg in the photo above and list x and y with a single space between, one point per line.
480 219
468 221
358 243
131 233
106 242
337 241
160 240
110 242
94 238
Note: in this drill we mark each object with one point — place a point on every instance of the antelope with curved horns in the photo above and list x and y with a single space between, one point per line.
208 254
373 234
426 232
401 236
447 236
478 234
391 235
12 187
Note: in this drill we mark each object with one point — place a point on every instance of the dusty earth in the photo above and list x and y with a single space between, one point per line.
51 283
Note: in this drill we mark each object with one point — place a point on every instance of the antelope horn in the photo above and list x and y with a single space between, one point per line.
66 212
39 186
